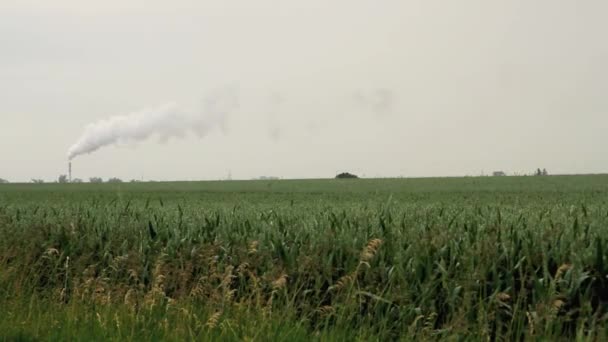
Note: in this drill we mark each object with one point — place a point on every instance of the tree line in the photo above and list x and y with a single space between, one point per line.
63 179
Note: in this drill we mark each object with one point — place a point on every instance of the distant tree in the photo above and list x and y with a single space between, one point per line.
38 181
95 180
538 172
134 181
545 173
268 178
3 181
499 174
346 175
63 179
76 180
114 180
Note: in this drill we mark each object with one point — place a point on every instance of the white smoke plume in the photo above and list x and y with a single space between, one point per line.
166 122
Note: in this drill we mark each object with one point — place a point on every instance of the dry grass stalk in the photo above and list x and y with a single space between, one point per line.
370 250
280 282
558 304
253 247
561 270
367 254
344 281
503 297
530 322
326 310
130 299
213 320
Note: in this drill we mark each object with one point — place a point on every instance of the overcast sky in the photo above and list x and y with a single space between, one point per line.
378 88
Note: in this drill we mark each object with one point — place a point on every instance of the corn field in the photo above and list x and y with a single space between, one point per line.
506 258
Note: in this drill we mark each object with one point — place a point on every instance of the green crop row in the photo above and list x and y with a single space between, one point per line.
258 261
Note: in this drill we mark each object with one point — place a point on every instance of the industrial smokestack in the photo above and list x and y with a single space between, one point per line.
70 171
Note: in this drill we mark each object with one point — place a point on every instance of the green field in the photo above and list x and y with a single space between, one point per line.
396 259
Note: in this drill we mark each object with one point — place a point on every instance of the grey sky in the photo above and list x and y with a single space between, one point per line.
380 88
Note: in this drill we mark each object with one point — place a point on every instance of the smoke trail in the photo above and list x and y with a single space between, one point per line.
168 121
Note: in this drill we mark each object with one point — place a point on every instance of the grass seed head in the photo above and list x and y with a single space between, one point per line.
280 282
213 320
370 250
253 247
503 297
561 270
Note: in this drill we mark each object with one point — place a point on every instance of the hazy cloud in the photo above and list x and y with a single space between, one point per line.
379 100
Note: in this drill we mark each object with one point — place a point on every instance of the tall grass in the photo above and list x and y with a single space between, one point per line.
413 263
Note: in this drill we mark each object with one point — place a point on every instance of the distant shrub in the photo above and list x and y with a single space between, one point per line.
95 180
114 180
346 175
3 181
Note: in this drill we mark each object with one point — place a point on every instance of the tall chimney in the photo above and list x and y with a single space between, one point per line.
70 172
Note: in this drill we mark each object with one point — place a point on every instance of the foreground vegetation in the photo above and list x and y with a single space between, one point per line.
472 258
